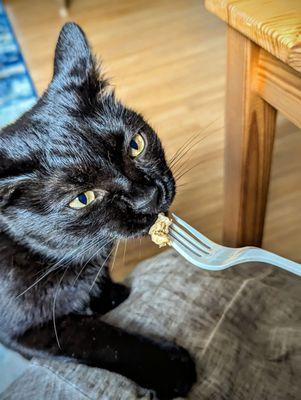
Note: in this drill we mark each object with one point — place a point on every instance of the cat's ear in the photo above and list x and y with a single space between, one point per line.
9 186
73 54
6 191
16 163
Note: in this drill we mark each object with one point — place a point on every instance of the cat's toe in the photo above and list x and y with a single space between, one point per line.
113 295
187 374
180 377
119 293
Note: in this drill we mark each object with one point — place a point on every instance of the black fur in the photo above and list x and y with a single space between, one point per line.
76 138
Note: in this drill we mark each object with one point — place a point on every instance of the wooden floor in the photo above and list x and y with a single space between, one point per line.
167 60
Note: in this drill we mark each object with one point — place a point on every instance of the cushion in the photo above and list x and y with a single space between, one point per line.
242 326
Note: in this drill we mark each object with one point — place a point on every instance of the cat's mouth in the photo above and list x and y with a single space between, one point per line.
138 225
132 225
142 224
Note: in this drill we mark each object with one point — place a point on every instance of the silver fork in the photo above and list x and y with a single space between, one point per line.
204 253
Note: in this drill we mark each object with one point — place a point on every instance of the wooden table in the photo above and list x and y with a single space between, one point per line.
263 77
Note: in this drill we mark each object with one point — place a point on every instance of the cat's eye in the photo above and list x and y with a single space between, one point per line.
137 145
82 200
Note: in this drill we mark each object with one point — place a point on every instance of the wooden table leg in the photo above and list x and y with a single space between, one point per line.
63 4
250 128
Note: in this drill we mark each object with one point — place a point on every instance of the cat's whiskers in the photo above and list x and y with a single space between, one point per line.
51 269
46 269
100 269
182 148
179 161
124 250
54 304
114 258
182 171
93 255
59 264
82 253
189 169
41 272
60 284
181 165
186 145
95 243
189 189
140 245
54 236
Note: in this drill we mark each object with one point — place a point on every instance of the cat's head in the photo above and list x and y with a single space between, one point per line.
80 168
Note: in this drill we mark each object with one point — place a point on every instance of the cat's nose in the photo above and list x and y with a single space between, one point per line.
146 200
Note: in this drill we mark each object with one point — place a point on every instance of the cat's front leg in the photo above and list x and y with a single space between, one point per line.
158 365
112 294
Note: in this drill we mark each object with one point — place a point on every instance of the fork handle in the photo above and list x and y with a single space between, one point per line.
255 254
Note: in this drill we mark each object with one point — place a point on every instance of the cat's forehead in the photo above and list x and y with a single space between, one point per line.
98 134
106 118
84 151
85 141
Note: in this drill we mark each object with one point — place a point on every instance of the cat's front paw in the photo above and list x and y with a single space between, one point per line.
179 375
112 295
119 293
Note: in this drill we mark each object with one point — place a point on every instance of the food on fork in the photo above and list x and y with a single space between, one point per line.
159 231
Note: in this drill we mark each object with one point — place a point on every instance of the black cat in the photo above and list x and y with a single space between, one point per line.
77 172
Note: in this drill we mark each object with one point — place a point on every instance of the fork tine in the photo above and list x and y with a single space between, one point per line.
205 241
176 237
190 241
190 256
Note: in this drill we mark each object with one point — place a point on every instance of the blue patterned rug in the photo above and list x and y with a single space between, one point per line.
17 94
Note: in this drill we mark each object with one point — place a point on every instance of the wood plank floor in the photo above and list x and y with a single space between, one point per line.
167 60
